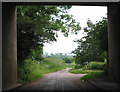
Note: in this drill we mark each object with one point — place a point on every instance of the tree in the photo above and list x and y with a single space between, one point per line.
93 46
37 54
37 25
68 60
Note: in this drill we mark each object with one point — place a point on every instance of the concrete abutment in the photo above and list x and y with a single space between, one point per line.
114 41
9 46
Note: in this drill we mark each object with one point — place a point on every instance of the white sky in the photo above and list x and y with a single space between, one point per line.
80 14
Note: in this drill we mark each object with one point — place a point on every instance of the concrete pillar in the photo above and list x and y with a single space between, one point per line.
114 41
0 46
9 46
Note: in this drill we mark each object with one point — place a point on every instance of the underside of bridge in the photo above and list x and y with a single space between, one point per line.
9 41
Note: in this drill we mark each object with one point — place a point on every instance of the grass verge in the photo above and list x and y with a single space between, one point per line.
91 74
93 70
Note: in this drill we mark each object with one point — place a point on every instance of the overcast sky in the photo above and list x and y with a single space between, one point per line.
80 14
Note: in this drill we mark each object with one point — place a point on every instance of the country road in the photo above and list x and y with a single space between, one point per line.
60 80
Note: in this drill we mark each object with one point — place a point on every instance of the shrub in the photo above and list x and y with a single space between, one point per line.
78 66
30 71
80 71
94 65
33 69
55 64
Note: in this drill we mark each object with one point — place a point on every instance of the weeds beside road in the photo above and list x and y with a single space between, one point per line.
93 70
33 69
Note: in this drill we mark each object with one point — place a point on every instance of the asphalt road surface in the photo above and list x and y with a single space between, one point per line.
60 80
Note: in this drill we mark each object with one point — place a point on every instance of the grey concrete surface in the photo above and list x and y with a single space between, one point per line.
0 46
114 41
9 46
105 84
60 0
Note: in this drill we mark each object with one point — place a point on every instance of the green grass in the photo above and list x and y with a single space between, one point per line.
80 71
92 75
33 70
70 65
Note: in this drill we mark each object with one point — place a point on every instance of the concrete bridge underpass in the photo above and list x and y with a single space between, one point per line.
9 40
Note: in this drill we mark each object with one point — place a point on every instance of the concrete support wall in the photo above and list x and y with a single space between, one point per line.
9 46
0 46
114 41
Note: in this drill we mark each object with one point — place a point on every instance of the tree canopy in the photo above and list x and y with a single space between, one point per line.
93 46
37 25
68 60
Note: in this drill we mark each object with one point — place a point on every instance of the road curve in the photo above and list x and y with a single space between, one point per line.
60 80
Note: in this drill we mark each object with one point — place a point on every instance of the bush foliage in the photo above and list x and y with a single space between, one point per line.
93 70
33 69
94 65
